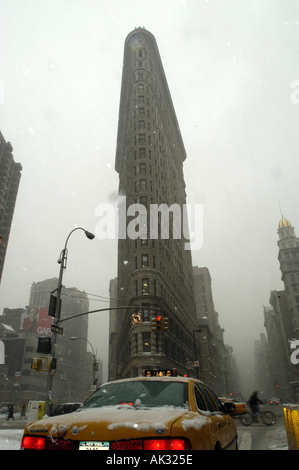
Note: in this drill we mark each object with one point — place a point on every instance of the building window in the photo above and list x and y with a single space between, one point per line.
146 340
142 153
140 88
145 286
144 242
141 112
141 125
145 312
144 261
142 167
141 99
142 138
143 188
135 344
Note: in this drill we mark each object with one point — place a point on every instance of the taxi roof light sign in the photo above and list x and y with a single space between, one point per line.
159 373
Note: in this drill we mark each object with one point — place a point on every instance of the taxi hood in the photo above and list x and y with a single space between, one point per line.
109 423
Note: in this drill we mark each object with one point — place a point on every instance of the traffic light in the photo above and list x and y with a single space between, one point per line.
37 364
160 323
41 364
159 320
154 324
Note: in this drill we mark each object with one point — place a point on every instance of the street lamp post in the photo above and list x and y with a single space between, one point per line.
195 352
62 261
94 365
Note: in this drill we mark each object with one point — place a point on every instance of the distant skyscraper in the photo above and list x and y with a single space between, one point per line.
10 174
152 272
288 257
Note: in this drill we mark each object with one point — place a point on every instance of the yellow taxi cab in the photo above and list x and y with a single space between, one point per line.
240 408
158 411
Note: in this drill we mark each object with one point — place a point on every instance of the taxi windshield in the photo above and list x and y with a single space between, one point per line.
140 394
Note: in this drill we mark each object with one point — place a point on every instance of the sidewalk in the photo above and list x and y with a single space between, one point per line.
16 424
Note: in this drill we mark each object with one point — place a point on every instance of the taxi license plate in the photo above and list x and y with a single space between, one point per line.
92 445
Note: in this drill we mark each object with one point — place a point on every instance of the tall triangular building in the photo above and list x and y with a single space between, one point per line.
154 272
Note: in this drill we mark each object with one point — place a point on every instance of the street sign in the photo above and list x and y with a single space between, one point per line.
57 329
136 319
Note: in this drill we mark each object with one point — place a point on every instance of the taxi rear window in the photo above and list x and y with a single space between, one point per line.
140 394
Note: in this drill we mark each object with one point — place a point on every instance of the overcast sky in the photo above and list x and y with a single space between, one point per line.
229 66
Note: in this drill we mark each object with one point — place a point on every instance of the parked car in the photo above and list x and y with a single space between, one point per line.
241 408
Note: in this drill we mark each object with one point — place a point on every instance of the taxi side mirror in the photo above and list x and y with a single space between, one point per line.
229 408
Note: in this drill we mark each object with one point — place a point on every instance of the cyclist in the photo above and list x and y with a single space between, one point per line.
253 403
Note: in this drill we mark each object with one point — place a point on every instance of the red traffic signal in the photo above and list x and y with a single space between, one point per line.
159 322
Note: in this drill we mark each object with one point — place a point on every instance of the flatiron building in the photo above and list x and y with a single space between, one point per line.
153 272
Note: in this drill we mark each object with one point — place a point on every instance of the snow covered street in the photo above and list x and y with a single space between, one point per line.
261 437
10 439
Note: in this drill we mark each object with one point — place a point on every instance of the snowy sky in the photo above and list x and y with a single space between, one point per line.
229 65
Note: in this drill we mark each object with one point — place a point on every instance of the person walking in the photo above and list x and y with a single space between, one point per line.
10 413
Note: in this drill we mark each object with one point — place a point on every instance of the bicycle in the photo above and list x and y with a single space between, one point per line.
267 417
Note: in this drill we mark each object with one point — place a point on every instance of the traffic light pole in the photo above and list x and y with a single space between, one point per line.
125 307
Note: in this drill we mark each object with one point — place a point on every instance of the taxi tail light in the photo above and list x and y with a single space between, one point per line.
33 443
167 444
130 444
152 444
45 443
58 444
